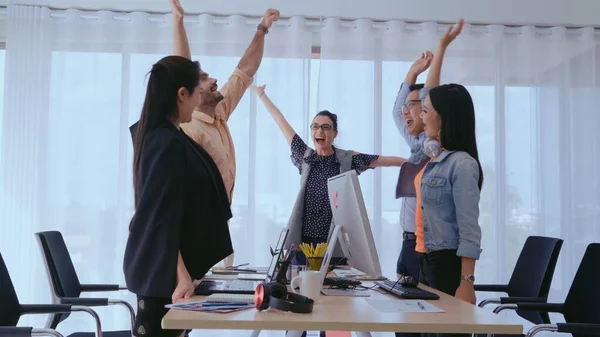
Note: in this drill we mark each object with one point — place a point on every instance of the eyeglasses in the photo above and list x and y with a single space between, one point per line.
324 127
408 105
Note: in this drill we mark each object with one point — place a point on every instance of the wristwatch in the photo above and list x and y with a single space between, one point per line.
469 278
263 28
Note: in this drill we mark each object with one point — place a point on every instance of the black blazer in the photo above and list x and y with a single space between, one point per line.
182 206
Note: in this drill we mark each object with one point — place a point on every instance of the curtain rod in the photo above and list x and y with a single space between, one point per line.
311 21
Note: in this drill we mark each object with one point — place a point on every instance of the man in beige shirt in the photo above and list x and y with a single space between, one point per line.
209 121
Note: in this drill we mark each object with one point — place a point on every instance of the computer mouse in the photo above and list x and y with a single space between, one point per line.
408 282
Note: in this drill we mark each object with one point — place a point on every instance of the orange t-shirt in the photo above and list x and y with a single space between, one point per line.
420 244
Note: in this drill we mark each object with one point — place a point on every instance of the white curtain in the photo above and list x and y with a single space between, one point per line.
536 94
75 82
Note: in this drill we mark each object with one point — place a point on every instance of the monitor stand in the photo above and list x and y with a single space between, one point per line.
335 236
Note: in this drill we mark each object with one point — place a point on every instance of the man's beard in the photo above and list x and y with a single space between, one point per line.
213 98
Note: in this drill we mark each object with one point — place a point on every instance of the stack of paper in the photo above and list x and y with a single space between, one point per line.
217 307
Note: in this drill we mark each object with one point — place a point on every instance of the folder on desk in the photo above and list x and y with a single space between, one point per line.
406 179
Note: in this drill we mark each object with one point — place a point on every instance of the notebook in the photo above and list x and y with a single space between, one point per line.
247 298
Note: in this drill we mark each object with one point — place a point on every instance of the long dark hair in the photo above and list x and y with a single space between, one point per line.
455 106
167 76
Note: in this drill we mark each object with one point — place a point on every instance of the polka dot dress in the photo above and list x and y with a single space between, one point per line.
317 211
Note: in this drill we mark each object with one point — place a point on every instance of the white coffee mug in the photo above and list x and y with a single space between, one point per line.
309 282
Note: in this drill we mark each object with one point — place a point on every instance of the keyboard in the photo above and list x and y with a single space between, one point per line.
208 287
407 293
241 285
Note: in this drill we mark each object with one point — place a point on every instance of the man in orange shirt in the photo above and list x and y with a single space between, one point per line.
209 120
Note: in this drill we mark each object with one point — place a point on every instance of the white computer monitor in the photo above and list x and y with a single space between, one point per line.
350 215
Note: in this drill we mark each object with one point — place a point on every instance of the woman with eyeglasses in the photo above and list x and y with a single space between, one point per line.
311 216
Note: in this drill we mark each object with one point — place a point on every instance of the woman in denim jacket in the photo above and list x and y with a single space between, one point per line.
450 184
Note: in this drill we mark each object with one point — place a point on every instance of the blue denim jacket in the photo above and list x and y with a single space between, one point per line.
407 211
450 201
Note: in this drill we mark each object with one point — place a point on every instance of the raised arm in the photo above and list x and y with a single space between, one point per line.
382 161
252 58
433 78
180 39
361 161
284 126
418 67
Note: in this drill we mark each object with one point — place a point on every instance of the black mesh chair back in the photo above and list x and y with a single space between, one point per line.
60 269
581 303
534 271
9 303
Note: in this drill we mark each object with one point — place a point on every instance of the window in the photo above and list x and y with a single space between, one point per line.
2 68
82 161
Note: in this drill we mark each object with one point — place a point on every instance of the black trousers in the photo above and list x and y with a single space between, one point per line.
441 270
150 311
408 263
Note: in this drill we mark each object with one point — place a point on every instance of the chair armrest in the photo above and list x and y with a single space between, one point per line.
100 302
497 288
128 307
59 309
540 328
579 328
495 300
539 307
45 332
14 331
507 300
102 287
85 301
27 309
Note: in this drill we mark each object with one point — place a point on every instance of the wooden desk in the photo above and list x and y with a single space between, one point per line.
353 314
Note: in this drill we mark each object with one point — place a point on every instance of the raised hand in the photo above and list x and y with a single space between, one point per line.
258 90
271 16
177 9
422 63
452 33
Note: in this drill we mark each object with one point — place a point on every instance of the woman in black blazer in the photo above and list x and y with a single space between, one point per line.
179 230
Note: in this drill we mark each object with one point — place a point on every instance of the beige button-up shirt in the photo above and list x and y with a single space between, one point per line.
213 134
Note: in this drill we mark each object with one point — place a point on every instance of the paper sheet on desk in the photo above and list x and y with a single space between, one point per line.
351 272
405 187
403 306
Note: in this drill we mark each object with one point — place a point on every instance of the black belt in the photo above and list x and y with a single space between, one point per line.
409 236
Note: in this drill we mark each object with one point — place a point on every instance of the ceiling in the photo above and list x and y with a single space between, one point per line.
537 12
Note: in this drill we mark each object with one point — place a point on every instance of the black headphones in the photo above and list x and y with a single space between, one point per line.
275 295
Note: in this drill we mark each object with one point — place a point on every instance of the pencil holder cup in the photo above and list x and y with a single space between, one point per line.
314 263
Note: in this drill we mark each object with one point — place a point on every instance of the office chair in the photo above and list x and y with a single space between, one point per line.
9 331
531 278
65 283
11 310
580 308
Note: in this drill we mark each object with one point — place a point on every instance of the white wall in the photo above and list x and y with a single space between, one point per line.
538 12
